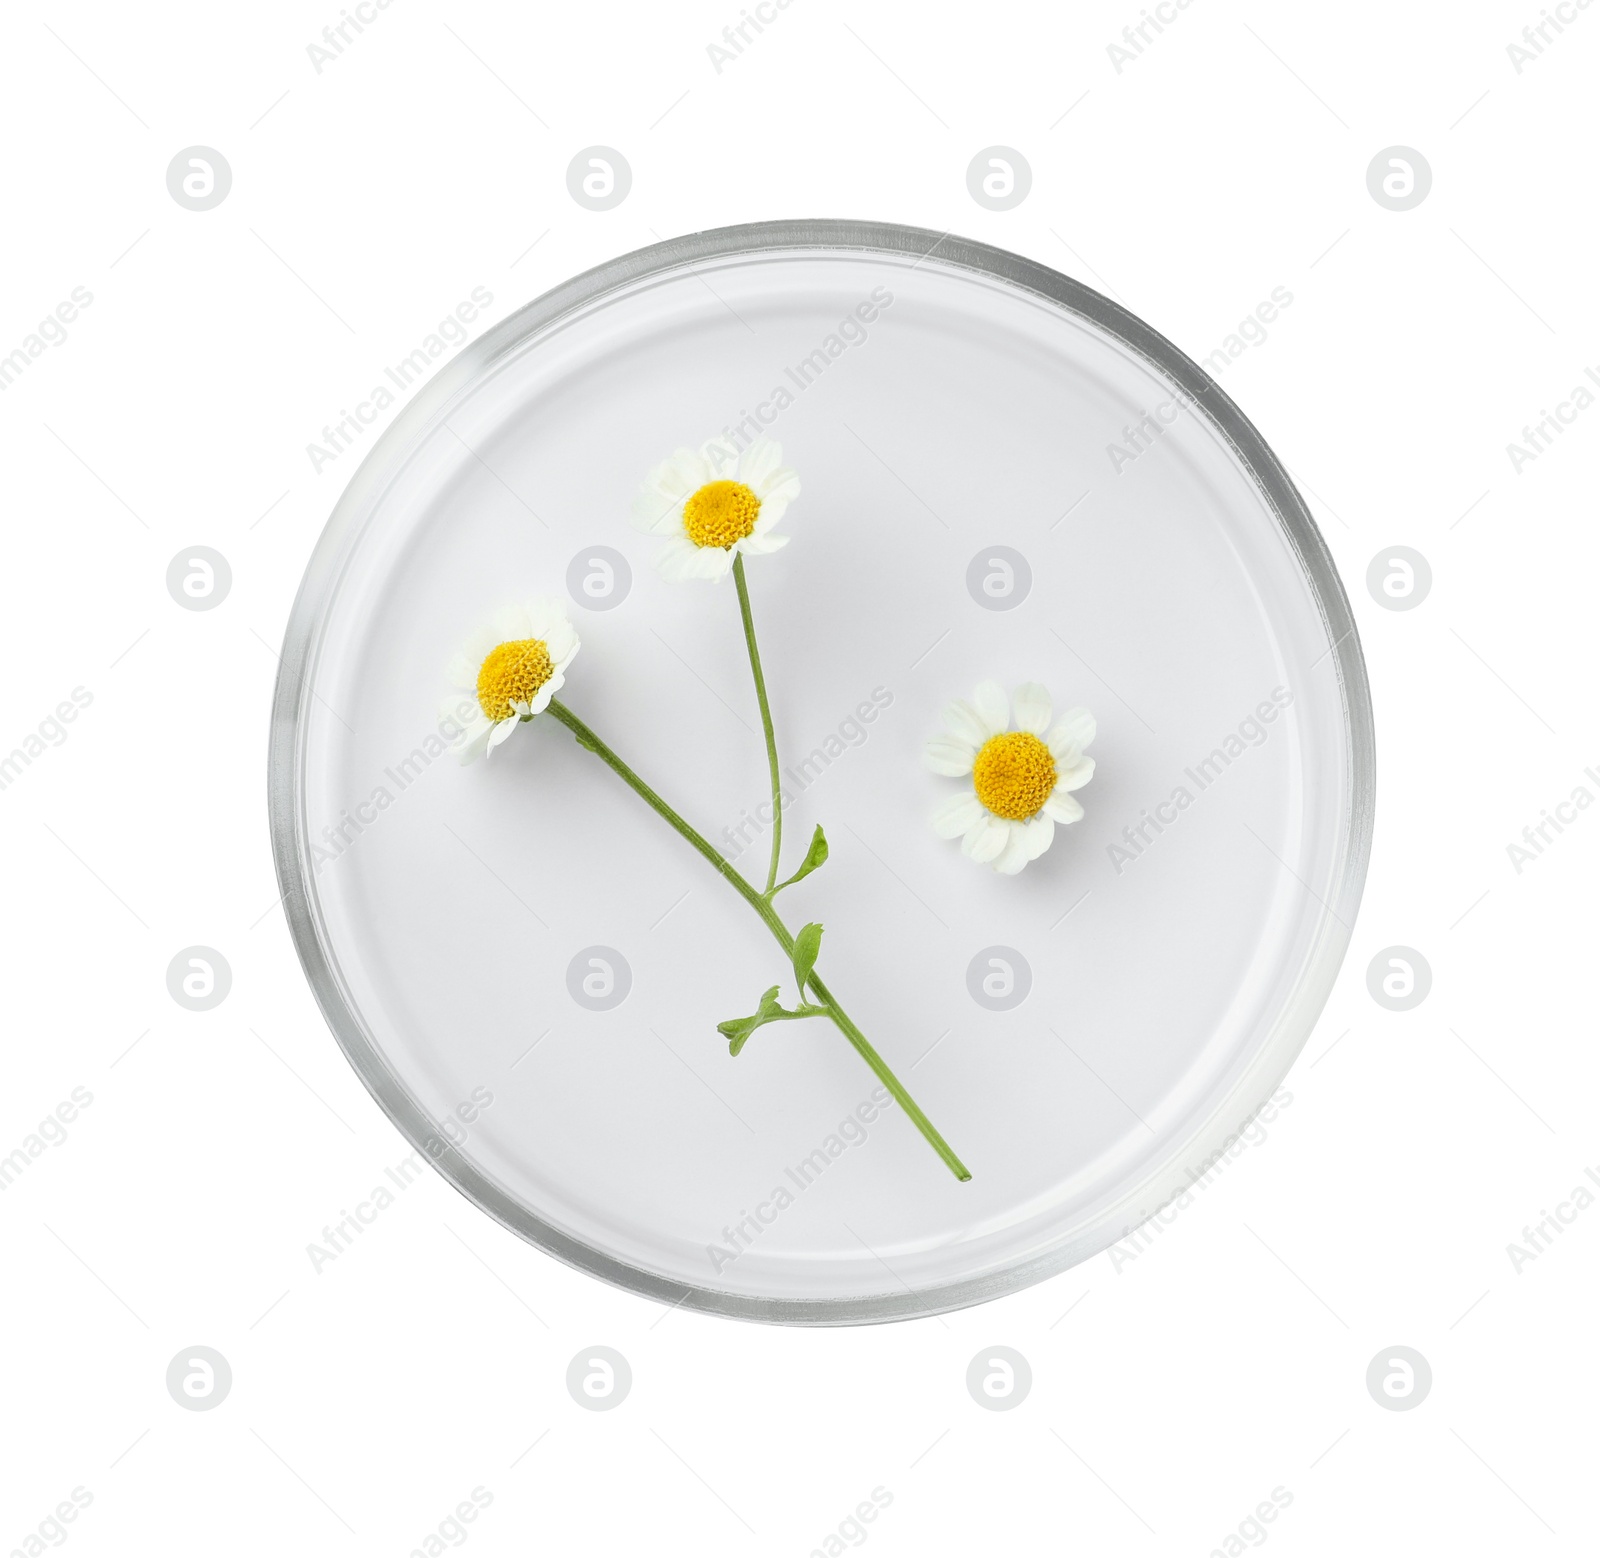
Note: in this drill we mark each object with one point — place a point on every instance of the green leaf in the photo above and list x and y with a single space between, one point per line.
816 855
806 947
737 1030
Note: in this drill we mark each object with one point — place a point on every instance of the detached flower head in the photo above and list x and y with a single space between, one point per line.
513 665
713 504
1019 781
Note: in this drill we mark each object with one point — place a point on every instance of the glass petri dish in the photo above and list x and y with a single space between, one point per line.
1004 476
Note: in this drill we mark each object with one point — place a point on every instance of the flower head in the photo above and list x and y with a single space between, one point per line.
512 666
715 503
1019 780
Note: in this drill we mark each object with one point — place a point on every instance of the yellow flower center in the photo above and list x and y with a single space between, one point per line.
1014 775
513 673
720 513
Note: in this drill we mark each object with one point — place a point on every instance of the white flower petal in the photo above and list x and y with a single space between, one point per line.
1075 729
501 731
956 815
707 562
1063 808
772 512
758 463
993 708
476 741
687 471
562 642
649 504
676 560
1041 831
545 615
964 723
779 486
464 667
456 712
947 756
986 838
511 623
666 486
1029 840
459 715
1031 705
541 699
658 514
482 638
1074 775
761 546
721 460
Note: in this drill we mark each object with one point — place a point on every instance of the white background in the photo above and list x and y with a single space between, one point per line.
1172 1392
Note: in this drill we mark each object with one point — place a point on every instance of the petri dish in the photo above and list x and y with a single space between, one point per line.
1004 476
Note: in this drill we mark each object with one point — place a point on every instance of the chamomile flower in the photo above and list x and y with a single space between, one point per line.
1018 781
713 504
512 666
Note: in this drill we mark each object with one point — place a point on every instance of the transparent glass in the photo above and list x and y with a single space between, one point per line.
941 400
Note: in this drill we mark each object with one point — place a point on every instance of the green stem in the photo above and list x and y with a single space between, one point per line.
766 718
587 739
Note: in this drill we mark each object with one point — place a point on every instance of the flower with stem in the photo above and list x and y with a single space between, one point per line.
713 521
1021 780
717 506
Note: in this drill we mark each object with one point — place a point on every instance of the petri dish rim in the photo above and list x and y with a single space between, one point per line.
387 458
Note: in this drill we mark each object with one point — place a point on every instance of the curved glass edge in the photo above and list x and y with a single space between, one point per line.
302 642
